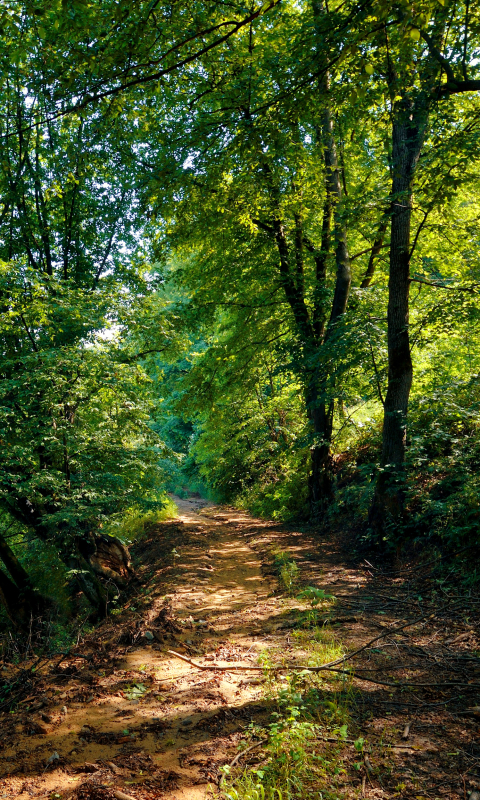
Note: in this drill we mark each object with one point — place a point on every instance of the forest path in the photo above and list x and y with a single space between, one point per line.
143 721
122 714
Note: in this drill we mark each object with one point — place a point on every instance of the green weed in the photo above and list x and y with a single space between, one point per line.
297 760
319 601
135 691
287 571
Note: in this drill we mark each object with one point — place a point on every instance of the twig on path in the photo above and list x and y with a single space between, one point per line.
121 795
27 699
386 632
417 707
341 660
238 757
330 667
324 667
247 750
228 668
174 677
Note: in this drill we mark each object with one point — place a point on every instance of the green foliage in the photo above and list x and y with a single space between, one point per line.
135 691
297 761
76 442
131 523
314 595
245 384
445 451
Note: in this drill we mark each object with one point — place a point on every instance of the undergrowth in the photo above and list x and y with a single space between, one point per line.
133 523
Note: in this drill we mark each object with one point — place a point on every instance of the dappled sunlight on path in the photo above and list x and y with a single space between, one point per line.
145 721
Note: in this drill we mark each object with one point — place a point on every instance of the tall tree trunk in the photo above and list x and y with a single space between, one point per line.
312 325
407 139
320 483
319 407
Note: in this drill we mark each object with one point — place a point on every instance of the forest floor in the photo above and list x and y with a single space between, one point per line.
121 716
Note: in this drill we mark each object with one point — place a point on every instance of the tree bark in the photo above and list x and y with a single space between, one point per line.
17 592
407 138
320 484
377 246
97 557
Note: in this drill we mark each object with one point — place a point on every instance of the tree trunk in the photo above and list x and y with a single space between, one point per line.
320 408
12 564
84 580
407 139
311 324
18 596
16 603
97 557
321 467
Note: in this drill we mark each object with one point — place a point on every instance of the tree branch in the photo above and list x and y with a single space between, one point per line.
34 344
435 52
453 85
264 227
144 79
470 289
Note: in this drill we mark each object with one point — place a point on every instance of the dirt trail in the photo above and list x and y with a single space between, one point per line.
149 714
122 712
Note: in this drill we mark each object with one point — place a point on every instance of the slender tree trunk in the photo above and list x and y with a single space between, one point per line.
321 467
321 409
407 139
312 325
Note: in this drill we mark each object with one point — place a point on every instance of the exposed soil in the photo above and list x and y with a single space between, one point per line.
122 714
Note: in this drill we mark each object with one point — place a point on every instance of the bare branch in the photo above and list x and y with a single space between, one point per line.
470 289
